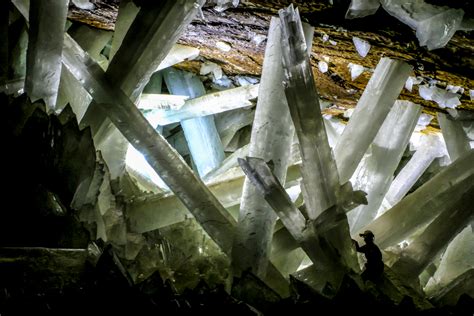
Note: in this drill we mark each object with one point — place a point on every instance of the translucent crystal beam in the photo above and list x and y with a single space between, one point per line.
201 133
209 104
413 170
456 139
379 95
440 193
43 66
321 188
436 237
213 217
272 133
375 173
320 177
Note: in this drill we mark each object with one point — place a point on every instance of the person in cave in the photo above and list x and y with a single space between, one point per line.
374 266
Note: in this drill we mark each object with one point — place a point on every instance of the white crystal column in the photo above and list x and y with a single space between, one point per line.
208 104
320 177
375 173
440 193
272 133
413 170
43 66
456 139
379 95
414 259
201 133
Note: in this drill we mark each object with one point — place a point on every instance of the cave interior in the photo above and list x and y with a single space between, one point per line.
225 156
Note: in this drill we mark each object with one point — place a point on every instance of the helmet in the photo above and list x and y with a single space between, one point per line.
367 233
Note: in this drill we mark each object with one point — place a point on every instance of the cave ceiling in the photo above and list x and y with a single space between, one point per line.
244 27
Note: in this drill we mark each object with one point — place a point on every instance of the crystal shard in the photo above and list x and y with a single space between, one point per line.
362 8
43 67
362 46
379 95
434 25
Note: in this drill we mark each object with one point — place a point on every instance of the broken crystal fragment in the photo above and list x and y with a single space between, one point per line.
258 39
84 4
434 25
362 46
356 70
471 94
223 46
210 67
222 5
455 89
362 8
411 81
445 99
323 66
423 121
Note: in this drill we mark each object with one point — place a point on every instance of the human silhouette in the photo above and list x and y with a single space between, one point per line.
374 265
